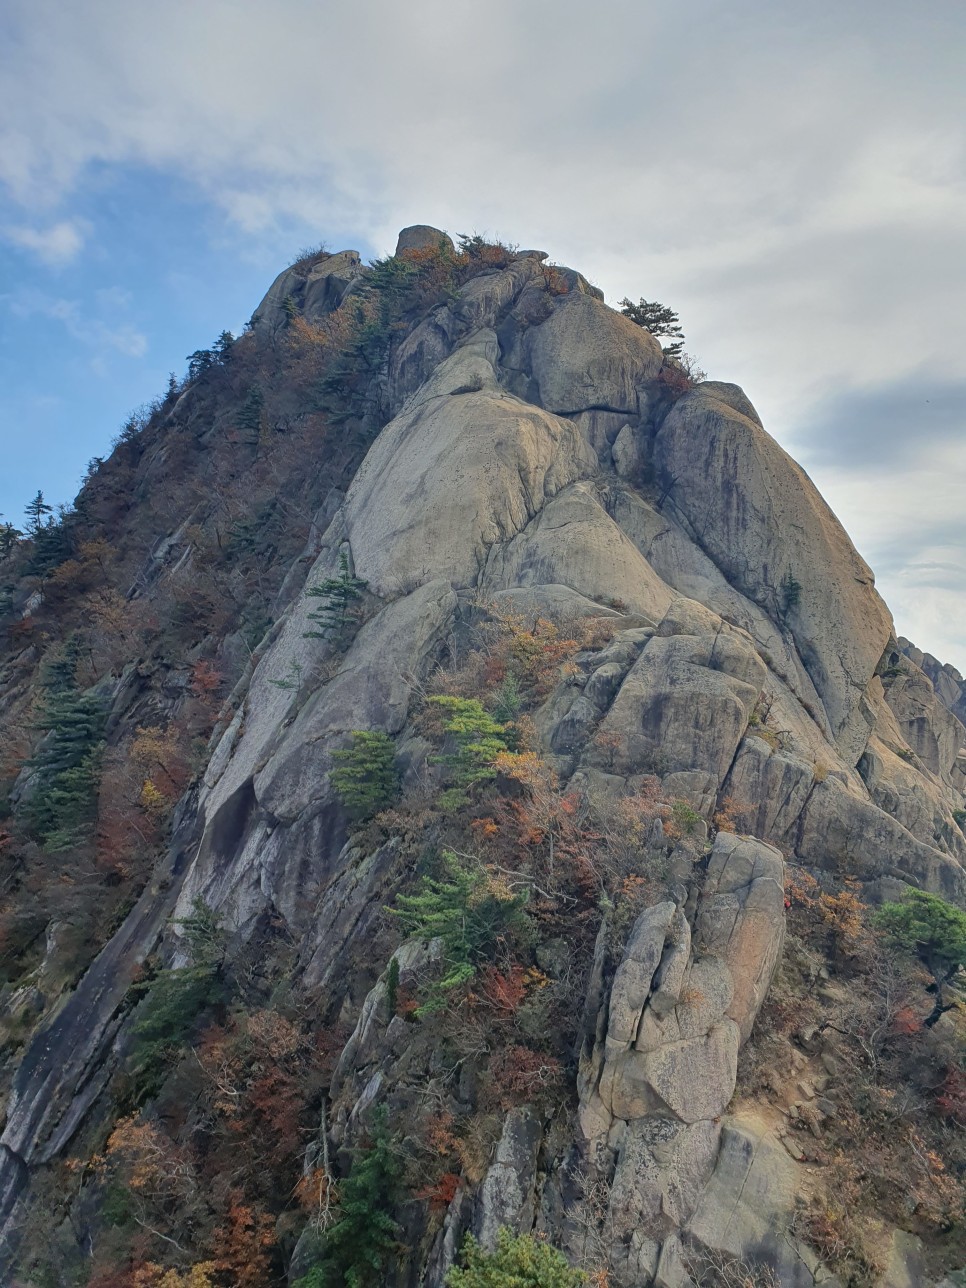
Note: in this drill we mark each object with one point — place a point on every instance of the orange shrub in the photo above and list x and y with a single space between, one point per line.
520 1073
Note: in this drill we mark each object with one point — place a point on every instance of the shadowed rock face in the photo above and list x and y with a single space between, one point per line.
531 457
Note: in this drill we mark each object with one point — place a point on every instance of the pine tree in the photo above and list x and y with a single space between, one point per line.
337 595
9 536
249 416
791 594
199 362
366 778
222 348
357 1251
934 931
478 739
175 998
65 768
51 543
468 913
37 511
662 322
520 1261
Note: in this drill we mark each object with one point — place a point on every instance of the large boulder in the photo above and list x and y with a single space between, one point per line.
742 917
423 237
313 291
687 701
926 725
506 1197
660 1173
586 356
454 474
574 541
747 1206
840 830
947 681
663 1066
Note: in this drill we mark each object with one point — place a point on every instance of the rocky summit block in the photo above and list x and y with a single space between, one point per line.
423 237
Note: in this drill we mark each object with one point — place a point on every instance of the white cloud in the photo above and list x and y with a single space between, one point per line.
56 244
789 177
908 523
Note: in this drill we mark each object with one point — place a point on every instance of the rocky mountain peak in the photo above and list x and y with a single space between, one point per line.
628 675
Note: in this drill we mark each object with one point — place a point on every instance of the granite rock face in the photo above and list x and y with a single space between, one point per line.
661 1071
759 517
532 458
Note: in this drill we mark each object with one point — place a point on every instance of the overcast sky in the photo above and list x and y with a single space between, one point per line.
791 178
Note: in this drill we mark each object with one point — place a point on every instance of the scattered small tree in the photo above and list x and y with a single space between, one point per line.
175 998
222 348
791 594
477 741
479 251
62 802
37 512
933 930
337 595
358 1248
9 536
662 322
366 777
249 417
199 362
520 1261
468 912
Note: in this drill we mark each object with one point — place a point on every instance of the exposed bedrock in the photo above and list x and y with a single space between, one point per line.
314 290
587 357
660 1072
533 459
687 701
759 517
947 682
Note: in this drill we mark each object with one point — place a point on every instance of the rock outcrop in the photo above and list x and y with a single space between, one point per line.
661 1069
948 684
531 457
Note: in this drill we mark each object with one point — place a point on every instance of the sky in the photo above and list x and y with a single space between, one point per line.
790 178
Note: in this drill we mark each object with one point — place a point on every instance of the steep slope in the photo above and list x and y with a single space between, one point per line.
525 456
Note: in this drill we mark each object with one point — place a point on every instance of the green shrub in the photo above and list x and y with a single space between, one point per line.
520 1261
932 930
508 700
684 819
468 913
366 777
476 738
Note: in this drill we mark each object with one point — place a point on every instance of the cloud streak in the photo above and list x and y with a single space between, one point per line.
54 245
93 332
791 179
